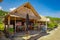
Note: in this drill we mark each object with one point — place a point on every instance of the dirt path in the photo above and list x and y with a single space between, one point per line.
54 35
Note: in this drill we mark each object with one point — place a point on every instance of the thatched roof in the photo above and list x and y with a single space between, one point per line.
25 9
43 18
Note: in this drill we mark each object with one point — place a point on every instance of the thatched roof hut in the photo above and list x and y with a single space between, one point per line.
23 10
20 14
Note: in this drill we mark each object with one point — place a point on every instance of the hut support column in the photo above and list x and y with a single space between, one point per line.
15 24
8 22
34 21
34 24
46 25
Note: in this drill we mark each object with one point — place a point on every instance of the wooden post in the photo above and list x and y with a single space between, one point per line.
34 21
15 24
8 22
46 25
34 25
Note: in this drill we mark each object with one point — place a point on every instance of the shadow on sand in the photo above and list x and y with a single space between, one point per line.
38 36
20 34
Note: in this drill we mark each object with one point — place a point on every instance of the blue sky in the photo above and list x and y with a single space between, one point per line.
43 7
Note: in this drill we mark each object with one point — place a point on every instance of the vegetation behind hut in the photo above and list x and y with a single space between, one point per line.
54 22
2 14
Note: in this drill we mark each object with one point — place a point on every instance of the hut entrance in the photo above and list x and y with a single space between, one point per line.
19 25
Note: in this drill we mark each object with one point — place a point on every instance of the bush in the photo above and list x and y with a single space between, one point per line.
52 25
1 26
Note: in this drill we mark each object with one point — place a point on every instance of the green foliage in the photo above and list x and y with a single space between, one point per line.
1 26
54 21
2 13
51 25
0 20
11 29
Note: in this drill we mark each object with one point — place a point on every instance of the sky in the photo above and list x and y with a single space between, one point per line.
43 7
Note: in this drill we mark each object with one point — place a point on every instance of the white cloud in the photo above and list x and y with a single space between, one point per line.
1 8
11 9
